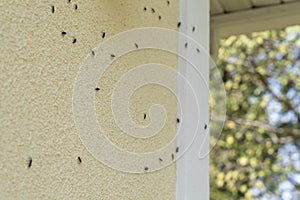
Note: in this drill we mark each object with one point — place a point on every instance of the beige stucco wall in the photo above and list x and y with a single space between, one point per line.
37 72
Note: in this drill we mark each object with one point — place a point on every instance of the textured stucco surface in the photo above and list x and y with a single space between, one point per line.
37 72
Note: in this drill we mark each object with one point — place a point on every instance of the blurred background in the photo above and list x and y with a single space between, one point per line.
258 153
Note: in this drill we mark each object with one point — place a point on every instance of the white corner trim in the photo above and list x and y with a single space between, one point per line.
192 172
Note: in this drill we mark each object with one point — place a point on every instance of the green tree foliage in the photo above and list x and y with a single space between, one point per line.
261 74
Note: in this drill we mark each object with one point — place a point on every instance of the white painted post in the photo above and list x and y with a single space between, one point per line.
192 172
